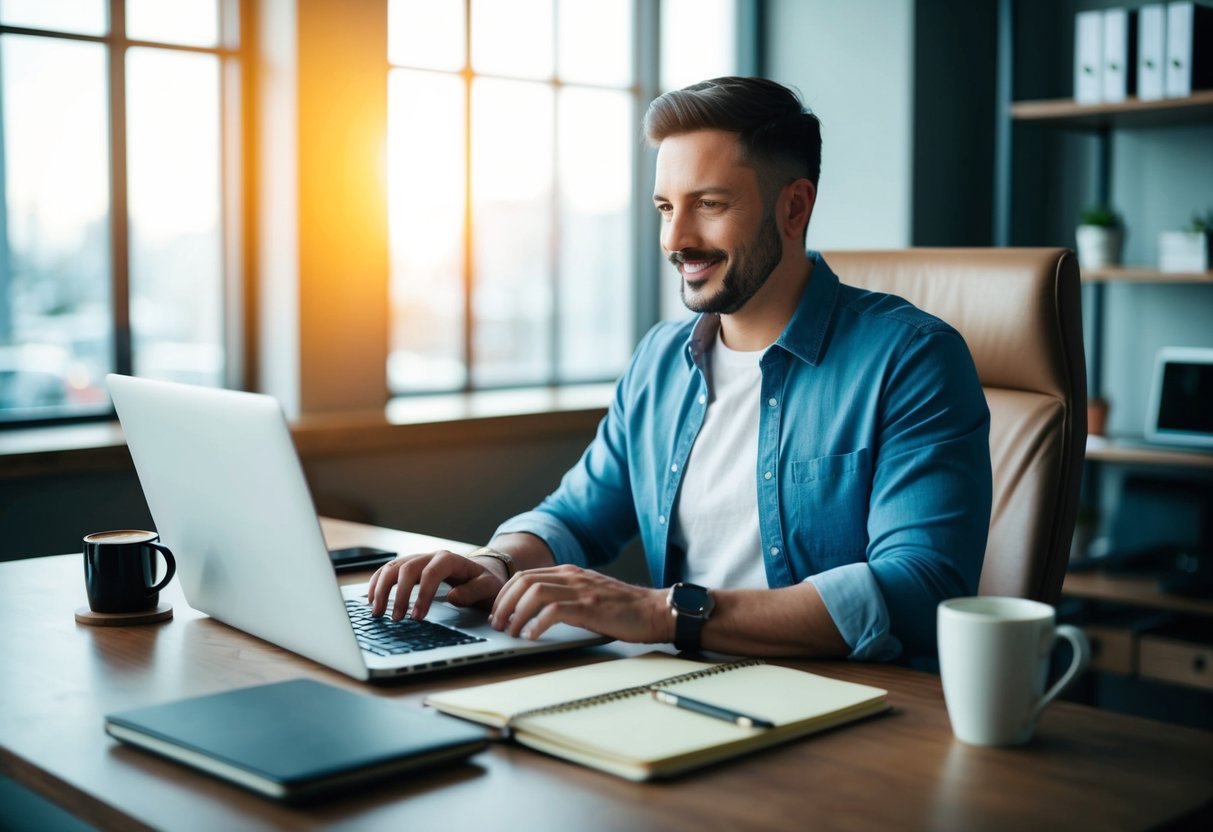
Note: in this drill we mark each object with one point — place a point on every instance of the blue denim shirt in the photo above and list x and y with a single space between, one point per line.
873 469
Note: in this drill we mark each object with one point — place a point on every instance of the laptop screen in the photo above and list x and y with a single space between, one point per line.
1182 397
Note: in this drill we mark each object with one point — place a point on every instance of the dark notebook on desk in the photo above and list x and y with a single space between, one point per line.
296 740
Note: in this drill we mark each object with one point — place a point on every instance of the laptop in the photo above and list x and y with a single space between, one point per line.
228 496
1181 397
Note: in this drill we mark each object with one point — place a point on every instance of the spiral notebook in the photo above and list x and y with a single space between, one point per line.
604 715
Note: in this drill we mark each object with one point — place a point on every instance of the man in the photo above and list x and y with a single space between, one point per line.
807 464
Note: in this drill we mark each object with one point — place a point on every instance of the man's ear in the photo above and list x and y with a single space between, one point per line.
799 197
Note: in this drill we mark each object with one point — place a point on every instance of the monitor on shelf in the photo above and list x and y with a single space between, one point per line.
1181 397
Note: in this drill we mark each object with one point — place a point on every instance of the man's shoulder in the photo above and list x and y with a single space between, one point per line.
887 310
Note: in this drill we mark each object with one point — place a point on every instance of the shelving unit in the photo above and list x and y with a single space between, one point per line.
1103 119
1133 112
1129 454
1142 274
1131 650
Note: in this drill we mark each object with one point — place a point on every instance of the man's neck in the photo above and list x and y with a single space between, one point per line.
764 316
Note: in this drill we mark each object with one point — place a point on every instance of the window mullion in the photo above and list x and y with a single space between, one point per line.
469 264
554 238
647 289
119 217
6 304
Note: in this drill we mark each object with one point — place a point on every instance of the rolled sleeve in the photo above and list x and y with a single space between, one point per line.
557 536
855 603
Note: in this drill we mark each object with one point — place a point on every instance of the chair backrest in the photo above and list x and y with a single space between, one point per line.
1019 311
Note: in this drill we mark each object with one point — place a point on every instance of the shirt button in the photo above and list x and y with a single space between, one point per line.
774 550
703 399
661 520
772 402
767 475
674 467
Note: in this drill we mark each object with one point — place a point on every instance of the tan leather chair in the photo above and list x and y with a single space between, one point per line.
1019 311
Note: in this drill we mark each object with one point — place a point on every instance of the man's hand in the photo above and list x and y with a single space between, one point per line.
534 600
473 581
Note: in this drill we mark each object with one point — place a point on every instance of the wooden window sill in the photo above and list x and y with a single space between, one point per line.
422 422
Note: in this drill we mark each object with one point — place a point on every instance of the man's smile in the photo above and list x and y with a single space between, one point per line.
694 264
692 268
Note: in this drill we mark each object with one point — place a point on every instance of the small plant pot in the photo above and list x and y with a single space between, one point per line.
1184 251
1098 246
1097 417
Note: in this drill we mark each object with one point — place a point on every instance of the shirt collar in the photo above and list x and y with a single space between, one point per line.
803 337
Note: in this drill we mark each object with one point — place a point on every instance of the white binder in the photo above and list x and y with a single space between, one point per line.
1189 48
1119 54
1151 51
1088 57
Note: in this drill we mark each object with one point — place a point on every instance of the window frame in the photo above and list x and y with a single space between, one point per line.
645 291
236 192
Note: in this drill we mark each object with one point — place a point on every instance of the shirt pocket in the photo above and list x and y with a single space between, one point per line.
829 510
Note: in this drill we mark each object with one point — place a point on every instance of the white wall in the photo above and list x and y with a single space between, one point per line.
853 64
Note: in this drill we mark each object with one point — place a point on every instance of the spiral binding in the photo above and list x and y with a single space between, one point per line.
624 693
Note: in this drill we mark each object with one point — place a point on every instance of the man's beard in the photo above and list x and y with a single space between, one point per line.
750 270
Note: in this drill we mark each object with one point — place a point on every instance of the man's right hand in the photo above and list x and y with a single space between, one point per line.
472 581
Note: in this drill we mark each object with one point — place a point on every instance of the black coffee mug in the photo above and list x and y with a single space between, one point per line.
120 570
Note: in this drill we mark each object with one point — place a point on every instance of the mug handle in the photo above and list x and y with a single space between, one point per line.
170 565
1082 658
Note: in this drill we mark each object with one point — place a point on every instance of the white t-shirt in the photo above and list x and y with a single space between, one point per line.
716 517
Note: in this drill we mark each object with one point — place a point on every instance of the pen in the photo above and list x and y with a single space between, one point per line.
707 709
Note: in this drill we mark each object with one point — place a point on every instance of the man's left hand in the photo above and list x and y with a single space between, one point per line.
535 599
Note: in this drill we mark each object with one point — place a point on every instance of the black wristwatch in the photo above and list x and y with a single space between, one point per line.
691 605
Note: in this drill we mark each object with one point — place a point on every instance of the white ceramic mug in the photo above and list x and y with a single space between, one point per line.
993 659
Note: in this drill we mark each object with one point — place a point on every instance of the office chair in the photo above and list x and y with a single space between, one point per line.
1019 311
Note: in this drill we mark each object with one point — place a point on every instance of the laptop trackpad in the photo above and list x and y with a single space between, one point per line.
460 617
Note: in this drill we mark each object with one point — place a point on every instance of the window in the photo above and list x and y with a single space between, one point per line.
518 181
119 152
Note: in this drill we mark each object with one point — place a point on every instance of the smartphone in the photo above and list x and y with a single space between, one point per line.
359 557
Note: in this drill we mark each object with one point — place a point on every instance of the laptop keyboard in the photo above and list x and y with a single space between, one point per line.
385 637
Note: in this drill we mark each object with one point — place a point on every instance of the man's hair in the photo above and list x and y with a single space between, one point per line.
780 138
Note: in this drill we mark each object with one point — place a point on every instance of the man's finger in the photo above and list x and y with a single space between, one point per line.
475 591
566 612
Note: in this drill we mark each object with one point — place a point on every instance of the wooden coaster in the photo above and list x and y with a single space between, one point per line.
162 612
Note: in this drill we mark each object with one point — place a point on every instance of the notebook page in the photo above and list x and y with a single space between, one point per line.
640 729
779 694
634 729
495 703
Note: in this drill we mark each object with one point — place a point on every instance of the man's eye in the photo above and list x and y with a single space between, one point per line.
709 203
665 209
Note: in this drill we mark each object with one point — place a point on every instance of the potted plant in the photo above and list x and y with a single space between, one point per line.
1099 238
1189 250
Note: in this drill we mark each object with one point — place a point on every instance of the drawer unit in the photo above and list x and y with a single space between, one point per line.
1175 660
1112 649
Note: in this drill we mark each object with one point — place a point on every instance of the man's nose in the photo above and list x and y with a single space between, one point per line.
678 232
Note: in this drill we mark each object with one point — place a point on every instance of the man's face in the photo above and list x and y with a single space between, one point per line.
716 227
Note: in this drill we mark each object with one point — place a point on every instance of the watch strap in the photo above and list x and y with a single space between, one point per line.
688 623
688 632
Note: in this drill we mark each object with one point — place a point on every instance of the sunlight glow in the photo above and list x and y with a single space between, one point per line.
83 17
56 127
594 42
698 41
188 22
426 34
173 176
513 38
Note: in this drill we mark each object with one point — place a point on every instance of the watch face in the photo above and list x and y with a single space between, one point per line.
692 599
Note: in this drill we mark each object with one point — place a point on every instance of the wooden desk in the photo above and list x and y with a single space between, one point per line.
1086 768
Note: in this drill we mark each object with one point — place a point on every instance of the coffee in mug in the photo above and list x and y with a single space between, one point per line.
120 570
994 659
